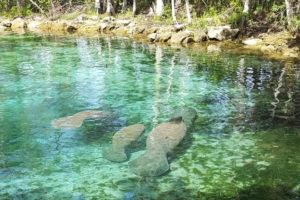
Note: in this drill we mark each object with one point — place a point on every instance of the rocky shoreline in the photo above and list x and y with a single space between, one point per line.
273 45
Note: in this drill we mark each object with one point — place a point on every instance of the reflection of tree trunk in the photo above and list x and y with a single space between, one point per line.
182 88
158 59
170 76
296 98
240 104
109 51
277 92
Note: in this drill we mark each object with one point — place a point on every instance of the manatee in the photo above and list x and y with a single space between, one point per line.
161 140
121 139
188 114
75 121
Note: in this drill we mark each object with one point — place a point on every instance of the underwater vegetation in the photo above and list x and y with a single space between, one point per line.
242 127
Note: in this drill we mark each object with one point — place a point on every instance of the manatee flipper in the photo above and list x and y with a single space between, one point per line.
150 164
115 155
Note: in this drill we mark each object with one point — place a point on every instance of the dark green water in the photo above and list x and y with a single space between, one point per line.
243 145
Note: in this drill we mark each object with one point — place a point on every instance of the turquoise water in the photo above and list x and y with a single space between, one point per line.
243 145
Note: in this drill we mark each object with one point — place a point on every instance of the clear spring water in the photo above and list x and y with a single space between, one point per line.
243 145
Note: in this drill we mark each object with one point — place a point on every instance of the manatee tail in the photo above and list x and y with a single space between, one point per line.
114 154
150 164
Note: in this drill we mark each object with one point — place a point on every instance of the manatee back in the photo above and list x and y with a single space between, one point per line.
167 135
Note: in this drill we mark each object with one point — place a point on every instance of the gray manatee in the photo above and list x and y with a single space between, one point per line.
161 140
188 114
121 139
75 121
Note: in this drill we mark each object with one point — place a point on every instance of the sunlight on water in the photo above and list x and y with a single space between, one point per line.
244 143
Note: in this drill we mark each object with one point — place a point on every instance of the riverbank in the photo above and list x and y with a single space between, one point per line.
281 45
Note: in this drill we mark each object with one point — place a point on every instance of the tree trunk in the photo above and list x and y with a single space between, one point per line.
245 12
116 6
177 3
124 6
246 7
288 12
7 5
70 4
134 8
109 9
188 14
41 10
173 12
159 7
53 7
19 6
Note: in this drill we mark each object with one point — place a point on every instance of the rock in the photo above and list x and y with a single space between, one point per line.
200 36
221 33
123 22
152 37
18 23
180 36
71 29
103 26
139 29
268 48
82 17
3 28
151 30
108 19
179 27
251 42
188 40
164 37
290 53
33 26
6 23
94 18
121 31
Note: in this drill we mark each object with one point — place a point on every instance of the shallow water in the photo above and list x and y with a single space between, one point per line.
243 145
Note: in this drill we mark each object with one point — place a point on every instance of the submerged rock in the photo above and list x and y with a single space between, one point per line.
122 138
161 140
76 120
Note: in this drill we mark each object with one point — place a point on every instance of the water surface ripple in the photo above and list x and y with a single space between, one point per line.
243 145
